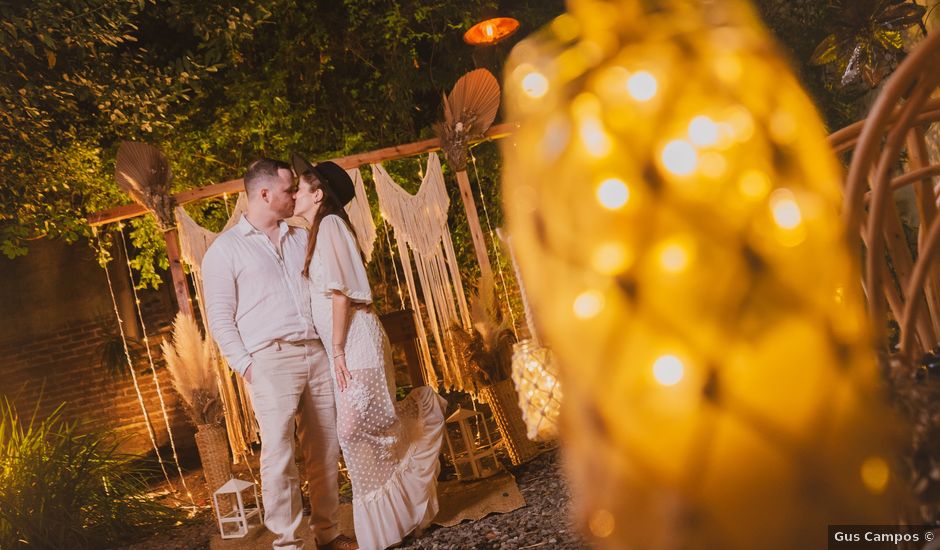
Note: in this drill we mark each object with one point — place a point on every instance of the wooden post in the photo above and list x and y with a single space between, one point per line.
476 232
176 271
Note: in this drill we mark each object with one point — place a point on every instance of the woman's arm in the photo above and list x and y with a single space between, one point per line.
341 311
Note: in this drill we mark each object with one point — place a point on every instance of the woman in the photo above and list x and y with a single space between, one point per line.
391 449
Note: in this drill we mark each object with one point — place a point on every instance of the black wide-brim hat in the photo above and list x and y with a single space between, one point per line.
329 173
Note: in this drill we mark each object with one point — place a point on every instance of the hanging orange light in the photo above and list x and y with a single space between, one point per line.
491 31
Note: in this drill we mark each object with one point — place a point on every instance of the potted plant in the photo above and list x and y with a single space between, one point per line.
189 359
485 352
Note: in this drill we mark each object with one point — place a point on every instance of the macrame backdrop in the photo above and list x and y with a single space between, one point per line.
361 215
420 225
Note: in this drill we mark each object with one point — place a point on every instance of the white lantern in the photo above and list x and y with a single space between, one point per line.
239 516
470 445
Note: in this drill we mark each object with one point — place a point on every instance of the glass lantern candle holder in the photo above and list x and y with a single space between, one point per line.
470 445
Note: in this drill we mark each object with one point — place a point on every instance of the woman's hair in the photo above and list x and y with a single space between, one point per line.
330 205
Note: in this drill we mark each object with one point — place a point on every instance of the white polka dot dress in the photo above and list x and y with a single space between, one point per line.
391 449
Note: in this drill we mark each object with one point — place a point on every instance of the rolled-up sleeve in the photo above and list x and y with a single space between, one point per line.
218 279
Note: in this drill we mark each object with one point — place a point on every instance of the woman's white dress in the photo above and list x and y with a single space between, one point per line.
391 448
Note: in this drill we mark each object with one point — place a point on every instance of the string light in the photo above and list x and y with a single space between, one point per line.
679 157
588 304
785 210
130 366
674 257
535 85
610 258
613 193
642 86
703 131
153 372
668 370
754 184
595 138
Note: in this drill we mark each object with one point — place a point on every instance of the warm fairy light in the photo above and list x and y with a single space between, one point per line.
613 193
610 258
588 304
679 157
703 131
713 164
601 523
674 257
595 138
754 184
642 86
534 84
488 29
668 370
785 210
875 474
741 124
839 295
783 127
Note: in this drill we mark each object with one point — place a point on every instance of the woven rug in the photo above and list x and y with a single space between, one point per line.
459 501
473 500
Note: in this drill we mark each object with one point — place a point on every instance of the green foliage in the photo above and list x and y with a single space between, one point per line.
214 86
866 43
60 488
827 32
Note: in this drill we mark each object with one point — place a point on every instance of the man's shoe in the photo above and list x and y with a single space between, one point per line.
341 542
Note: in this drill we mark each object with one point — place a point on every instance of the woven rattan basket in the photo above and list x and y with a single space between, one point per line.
212 442
503 401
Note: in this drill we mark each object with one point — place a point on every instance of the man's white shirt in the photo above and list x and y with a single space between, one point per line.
254 295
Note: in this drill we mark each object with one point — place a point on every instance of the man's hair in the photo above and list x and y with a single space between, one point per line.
261 171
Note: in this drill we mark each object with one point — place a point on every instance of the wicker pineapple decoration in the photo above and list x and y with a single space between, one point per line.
675 213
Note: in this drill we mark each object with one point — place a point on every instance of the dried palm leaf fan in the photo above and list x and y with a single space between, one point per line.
143 172
469 111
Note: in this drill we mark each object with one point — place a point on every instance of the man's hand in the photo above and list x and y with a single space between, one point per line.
247 375
342 373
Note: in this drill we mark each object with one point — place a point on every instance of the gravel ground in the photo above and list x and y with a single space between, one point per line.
542 523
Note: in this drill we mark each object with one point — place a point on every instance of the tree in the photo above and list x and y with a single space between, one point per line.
214 85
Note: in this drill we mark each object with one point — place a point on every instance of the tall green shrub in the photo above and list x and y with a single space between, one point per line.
60 488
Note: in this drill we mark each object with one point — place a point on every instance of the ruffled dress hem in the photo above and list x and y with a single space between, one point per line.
408 500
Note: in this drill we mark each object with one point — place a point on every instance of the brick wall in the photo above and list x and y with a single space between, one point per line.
56 360
63 367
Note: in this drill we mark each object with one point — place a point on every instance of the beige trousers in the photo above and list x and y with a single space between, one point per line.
292 382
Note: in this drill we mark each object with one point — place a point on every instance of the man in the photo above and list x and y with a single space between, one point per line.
258 309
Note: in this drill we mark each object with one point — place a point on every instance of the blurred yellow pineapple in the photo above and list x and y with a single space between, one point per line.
675 212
